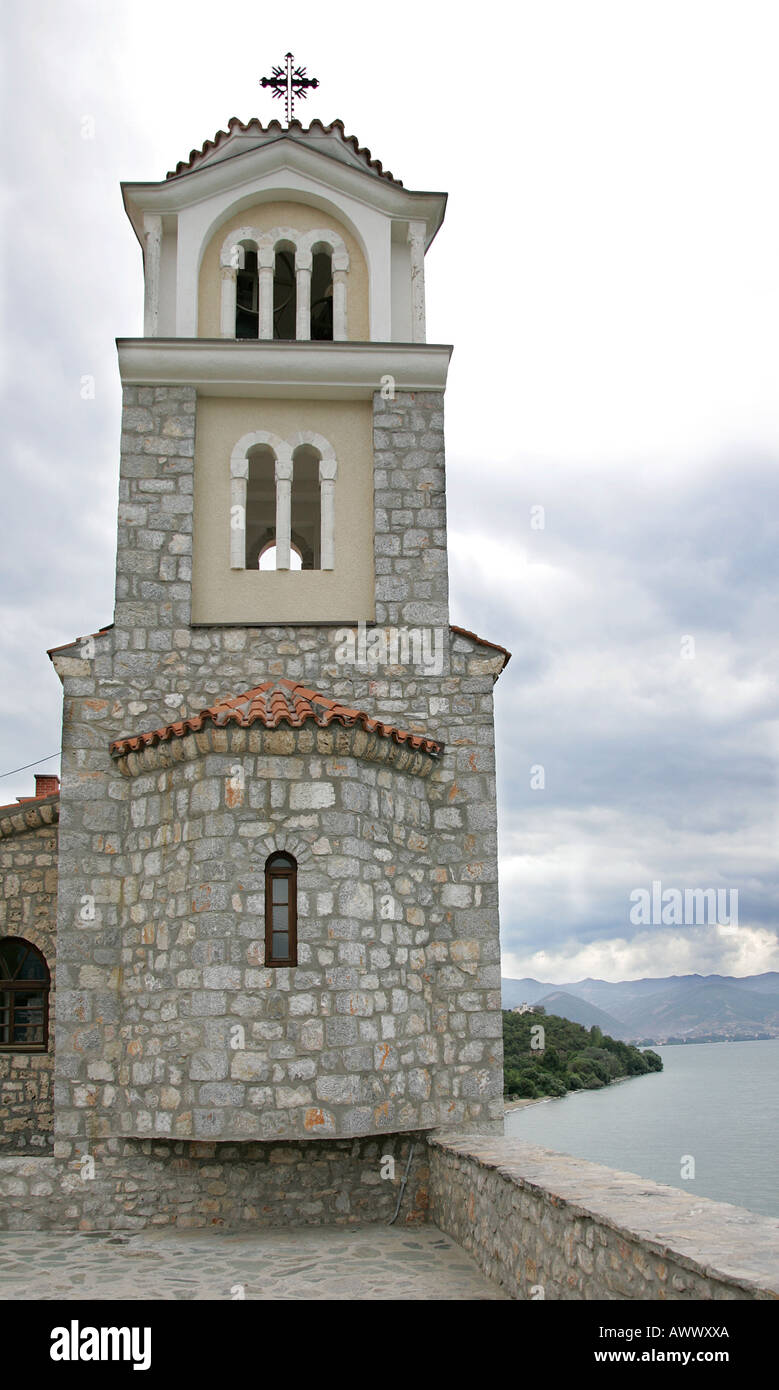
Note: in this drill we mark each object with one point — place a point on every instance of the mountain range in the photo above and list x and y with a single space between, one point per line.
683 1007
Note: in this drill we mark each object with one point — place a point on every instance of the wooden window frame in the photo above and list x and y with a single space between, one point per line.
274 869
13 986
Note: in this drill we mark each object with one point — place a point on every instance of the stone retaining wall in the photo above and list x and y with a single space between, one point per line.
546 1225
329 1182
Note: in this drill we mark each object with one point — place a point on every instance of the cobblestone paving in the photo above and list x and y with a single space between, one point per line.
364 1262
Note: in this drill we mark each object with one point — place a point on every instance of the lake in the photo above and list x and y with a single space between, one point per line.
715 1102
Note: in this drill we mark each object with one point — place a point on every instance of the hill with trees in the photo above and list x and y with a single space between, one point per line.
545 1055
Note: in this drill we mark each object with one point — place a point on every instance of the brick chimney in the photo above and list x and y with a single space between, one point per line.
45 785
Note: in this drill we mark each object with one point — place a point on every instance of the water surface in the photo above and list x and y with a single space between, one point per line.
717 1103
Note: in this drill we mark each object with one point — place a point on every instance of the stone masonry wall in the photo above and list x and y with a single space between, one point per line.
212 1043
548 1226
152 668
28 901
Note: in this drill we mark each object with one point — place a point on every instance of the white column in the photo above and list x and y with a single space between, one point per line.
266 261
327 472
416 239
152 236
340 269
303 263
283 512
227 312
239 479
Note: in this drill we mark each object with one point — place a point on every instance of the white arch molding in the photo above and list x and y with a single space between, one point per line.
232 259
282 451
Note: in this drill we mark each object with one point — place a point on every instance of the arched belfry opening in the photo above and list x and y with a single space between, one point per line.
306 520
284 292
322 295
247 297
260 505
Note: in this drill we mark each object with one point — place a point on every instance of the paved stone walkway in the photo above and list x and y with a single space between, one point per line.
363 1262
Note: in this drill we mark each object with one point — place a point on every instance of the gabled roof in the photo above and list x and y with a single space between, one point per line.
273 704
239 136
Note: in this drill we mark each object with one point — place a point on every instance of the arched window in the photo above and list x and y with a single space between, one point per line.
281 916
247 298
24 997
284 292
322 296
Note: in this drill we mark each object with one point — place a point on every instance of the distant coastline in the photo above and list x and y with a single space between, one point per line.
708 1042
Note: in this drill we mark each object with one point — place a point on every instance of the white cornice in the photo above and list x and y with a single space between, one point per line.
238 172
314 371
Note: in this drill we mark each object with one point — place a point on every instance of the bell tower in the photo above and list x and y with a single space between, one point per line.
284 274
278 904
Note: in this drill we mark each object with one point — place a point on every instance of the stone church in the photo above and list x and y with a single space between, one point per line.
266 889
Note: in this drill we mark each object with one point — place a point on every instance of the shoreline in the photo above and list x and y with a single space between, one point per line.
522 1101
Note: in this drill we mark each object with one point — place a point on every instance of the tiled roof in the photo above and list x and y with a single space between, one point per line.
272 704
483 642
295 128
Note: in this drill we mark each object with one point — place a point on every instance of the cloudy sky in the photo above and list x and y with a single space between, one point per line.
609 275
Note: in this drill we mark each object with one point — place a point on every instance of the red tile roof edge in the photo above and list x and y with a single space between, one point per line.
64 645
30 813
274 703
294 128
483 642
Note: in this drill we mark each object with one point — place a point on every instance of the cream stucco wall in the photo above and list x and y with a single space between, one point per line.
344 594
266 216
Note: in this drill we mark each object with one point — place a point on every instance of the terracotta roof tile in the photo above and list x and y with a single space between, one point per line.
295 128
275 703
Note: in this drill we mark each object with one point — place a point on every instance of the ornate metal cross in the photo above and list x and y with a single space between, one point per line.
289 82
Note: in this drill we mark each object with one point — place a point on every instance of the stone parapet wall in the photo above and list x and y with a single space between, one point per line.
545 1225
28 909
152 1183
